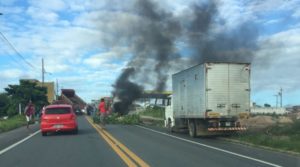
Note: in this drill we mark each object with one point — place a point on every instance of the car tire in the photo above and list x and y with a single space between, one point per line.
44 133
75 131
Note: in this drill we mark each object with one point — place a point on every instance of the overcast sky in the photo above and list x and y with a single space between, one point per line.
86 43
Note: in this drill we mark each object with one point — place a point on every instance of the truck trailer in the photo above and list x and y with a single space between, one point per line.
209 99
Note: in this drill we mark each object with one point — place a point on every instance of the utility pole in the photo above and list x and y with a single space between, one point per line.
43 72
56 89
280 94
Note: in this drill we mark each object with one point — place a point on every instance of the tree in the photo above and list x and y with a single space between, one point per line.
4 104
23 93
267 105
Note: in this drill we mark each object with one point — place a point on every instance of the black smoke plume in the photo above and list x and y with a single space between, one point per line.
153 48
154 41
125 92
153 45
236 45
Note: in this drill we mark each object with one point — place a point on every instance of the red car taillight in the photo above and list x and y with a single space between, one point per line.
44 119
73 117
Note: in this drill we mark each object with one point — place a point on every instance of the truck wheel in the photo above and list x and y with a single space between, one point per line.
192 128
169 125
44 133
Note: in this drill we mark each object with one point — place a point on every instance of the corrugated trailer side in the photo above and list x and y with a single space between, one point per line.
211 97
189 93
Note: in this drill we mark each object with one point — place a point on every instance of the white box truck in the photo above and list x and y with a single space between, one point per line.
209 99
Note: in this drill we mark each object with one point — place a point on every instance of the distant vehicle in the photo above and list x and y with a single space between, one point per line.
58 117
78 111
209 99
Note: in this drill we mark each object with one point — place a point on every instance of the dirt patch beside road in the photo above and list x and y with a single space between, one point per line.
260 122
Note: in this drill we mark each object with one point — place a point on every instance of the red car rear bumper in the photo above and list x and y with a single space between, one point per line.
55 127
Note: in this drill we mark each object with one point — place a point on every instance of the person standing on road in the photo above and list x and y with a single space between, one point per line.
29 112
102 110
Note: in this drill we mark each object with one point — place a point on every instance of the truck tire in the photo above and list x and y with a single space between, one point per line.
169 125
192 128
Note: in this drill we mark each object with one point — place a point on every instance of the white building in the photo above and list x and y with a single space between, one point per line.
268 110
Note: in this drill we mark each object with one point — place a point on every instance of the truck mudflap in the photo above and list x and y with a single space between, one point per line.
227 129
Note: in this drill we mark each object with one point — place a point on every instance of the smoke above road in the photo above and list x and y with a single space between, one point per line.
125 91
154 45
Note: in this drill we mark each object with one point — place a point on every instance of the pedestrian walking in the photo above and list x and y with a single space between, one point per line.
102 110
29 112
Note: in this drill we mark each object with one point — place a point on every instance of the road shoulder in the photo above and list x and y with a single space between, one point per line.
13 136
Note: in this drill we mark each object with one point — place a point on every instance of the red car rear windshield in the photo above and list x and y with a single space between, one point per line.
58 111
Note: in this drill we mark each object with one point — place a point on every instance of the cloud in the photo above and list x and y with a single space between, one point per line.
235 13
273 21
85 43
296 14
11 73
97 60
277 61
272 5
49 5
42 15
110 59
11 10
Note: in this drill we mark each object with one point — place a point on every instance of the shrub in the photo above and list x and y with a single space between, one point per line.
4 104
12 123
130 119
115 118
112 118
158 112
12 110
96 118
285 137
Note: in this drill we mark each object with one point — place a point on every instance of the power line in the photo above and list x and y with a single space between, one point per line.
14 62
19 54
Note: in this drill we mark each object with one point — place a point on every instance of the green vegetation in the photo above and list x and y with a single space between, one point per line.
23 93
19 94
4 104
157 112
152 112
115 118
285 137
12 123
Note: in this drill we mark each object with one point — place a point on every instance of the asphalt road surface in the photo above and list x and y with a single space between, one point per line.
121 145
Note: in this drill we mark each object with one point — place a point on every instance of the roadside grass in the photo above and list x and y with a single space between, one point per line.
284 137
158 123
157 112
12 123
133 119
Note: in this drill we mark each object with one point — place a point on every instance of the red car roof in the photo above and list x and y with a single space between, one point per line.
58 106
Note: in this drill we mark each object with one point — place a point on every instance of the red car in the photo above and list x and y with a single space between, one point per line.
58 117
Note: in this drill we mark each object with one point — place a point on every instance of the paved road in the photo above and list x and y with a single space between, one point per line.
159 149
11 137
82 150
155 148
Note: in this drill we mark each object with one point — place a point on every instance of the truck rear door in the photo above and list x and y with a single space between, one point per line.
239 88
217 88
227 88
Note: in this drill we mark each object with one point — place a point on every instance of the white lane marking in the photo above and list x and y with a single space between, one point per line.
19 142
211 147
